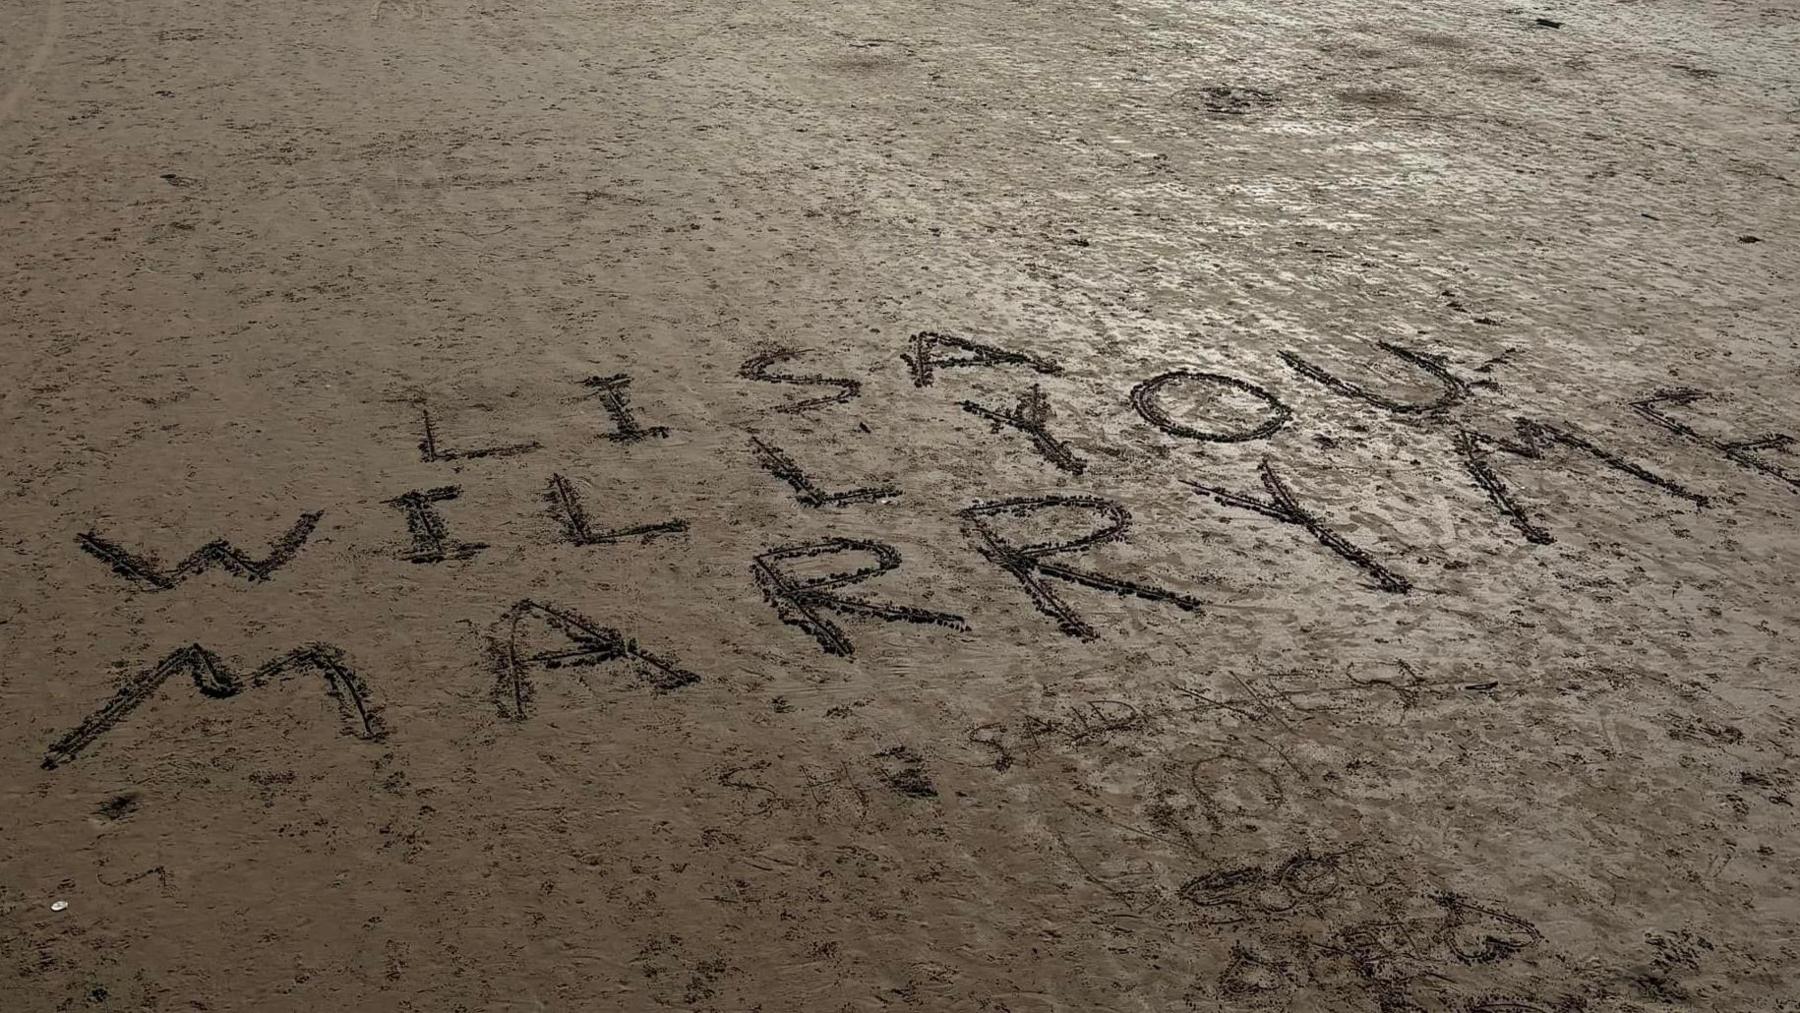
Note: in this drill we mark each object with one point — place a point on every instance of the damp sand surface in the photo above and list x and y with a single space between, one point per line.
966 506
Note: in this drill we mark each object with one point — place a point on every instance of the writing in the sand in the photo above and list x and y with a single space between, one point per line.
824 588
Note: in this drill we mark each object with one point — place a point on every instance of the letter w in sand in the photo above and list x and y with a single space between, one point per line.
219 552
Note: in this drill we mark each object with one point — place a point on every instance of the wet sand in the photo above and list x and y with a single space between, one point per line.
959 506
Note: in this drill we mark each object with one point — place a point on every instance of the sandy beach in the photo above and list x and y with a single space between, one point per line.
972 506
